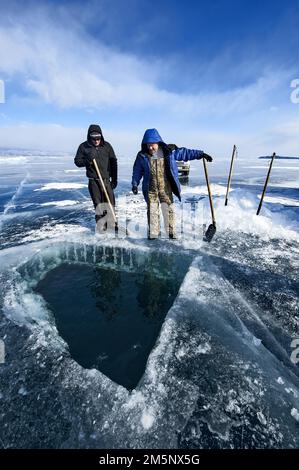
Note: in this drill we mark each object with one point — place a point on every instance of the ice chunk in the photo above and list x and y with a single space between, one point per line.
147 418
295 414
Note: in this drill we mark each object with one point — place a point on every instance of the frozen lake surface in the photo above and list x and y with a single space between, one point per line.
127 343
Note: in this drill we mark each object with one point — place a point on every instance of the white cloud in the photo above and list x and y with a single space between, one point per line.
58 63
66 67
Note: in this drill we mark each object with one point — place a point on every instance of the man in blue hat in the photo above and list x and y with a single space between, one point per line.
156 164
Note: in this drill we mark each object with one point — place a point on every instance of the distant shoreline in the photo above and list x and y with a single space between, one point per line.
281 158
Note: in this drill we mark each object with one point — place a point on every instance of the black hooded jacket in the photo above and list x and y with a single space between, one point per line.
104 155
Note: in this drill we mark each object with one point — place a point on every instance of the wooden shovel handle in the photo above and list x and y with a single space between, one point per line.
104 189
209 191
266 183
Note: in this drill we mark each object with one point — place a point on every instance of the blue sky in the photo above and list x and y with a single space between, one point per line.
207 74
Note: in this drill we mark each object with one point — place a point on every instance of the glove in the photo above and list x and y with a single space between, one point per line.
90 156
135 190
172 147
113 184
207 157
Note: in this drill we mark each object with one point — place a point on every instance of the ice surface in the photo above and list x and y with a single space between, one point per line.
285 201
60 203
220 373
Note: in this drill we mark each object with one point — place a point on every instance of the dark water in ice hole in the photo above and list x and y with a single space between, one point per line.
110 318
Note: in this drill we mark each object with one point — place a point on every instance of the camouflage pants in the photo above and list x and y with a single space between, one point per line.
153 214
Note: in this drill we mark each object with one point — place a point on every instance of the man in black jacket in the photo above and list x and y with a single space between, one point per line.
95 147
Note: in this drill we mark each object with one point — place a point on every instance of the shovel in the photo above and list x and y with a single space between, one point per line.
117 227
212 227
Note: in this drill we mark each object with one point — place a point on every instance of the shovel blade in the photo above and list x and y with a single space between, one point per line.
210 233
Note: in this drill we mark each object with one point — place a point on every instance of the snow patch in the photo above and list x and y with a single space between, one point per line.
285 201
216 189
261 418
61 203
58 230
60 186
287 184
295 414
13 160
203 348
240 215
256 341
147 418
22 391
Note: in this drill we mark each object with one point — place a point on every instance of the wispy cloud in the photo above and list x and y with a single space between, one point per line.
55 61
67 68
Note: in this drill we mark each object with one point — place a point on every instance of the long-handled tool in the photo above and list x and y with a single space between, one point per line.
105 190
118 228
230 173
266 183
212 227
